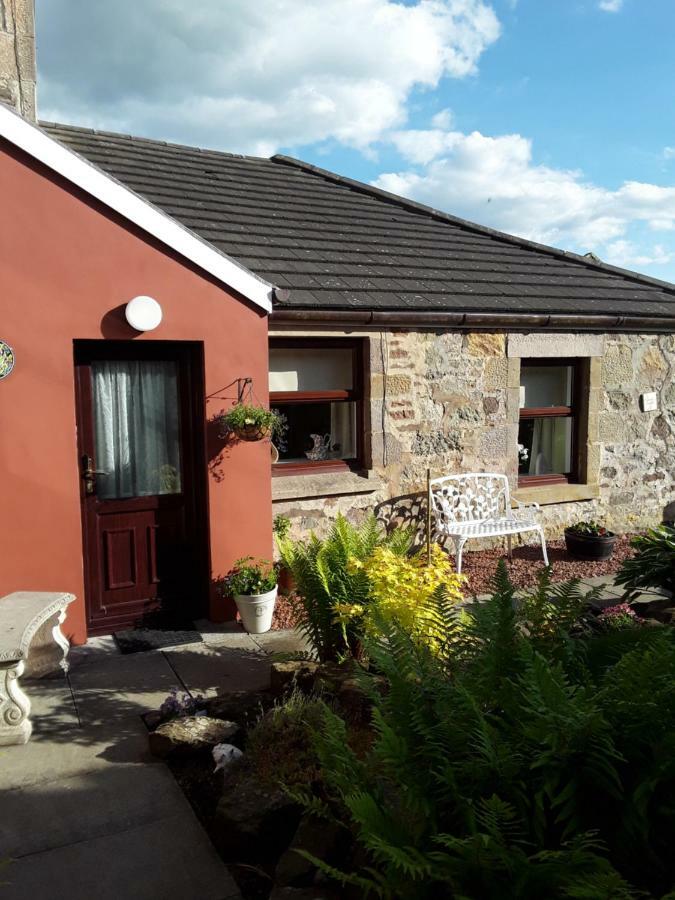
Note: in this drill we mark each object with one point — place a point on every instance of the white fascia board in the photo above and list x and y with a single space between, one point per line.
116 196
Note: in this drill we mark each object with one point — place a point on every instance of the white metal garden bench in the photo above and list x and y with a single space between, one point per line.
478 505
31 642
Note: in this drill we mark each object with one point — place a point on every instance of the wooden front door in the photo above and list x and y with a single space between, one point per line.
140 437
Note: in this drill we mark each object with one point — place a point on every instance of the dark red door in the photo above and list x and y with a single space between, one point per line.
140 418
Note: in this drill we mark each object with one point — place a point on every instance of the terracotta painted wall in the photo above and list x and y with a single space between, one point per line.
67 266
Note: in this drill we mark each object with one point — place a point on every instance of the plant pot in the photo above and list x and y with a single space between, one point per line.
256 610
251 432
286 581
590 546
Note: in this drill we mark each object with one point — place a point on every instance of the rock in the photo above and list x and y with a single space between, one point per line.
317 836
254 820
242 707
286 675
190 734
152 719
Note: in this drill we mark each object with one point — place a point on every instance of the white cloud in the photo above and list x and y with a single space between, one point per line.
253 76
494 181
669 152
611 6
626 254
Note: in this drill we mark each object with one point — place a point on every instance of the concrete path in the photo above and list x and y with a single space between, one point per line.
85 812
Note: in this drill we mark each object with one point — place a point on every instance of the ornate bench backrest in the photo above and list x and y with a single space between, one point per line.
474 497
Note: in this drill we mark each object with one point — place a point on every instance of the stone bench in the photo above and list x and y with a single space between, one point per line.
31 643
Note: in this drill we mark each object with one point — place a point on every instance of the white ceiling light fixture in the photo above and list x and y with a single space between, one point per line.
143 313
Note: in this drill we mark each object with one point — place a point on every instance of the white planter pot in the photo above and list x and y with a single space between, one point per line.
256 610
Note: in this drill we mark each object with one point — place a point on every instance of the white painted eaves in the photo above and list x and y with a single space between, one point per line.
126 203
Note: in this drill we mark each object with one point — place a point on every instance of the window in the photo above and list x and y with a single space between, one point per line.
549 416
318 386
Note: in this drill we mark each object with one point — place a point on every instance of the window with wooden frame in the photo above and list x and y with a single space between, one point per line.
317 385
548 433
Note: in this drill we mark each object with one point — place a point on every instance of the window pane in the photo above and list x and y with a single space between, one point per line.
136 427
542 386
548 444
319 431
311 370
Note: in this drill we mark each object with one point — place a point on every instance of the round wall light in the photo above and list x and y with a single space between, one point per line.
143 313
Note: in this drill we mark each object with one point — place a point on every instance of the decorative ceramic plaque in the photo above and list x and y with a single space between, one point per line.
6 360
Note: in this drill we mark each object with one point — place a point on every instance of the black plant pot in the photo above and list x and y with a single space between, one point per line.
590 546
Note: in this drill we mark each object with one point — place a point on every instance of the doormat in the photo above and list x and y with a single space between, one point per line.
137 640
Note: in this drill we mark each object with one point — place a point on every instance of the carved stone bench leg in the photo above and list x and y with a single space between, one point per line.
15 726
49 648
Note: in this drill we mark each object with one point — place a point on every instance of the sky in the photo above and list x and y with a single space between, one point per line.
550 119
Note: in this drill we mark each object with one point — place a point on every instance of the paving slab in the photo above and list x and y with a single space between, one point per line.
121 686
283 641
52 705
85 805
168 859
211 669
59 755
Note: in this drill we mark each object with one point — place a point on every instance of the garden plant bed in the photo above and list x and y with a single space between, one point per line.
479 568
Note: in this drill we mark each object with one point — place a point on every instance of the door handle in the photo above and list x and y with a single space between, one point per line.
89 474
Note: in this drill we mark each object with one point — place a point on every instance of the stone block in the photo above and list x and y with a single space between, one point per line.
494 443
617 366
513 374
496 373
523 346
479 343
652 366
190 734
612 428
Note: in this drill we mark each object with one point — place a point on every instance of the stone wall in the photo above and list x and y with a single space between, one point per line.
449 401
17 56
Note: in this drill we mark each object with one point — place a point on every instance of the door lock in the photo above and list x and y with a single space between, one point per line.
89 474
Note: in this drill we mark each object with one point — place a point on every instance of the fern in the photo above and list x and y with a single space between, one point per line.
518 762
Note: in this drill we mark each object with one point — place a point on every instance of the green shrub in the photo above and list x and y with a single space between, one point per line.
654 562
509 767
327 580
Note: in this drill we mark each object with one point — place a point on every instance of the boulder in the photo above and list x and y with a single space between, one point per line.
254 820
284 676
190 734
317 836
242 707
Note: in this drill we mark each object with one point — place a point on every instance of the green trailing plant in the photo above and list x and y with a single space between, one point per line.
653 565
250 576
327 580
248 422
281 525
508 767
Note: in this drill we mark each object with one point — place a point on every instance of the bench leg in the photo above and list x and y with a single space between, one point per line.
509 547
15 725
543 545
48 649
459 546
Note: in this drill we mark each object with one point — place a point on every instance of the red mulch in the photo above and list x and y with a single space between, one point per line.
479 567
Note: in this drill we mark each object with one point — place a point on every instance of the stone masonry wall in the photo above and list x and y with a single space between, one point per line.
449 401
17 56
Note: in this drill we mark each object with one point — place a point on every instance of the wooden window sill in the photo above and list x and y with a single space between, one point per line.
546 494
323 484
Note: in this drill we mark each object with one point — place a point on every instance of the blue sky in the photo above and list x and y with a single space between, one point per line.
547 118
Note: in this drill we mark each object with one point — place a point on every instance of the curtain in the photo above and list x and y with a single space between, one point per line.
137 428
551 446
342 430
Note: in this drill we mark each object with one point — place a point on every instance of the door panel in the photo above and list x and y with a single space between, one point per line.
139 423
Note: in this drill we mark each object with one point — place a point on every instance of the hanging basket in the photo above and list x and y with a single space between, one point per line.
251 432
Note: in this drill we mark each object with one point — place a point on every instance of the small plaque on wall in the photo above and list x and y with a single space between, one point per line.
6 359
649 402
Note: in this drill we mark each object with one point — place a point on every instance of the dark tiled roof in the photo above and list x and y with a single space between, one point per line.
339 244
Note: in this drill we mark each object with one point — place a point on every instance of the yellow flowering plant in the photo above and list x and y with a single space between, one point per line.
401 589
